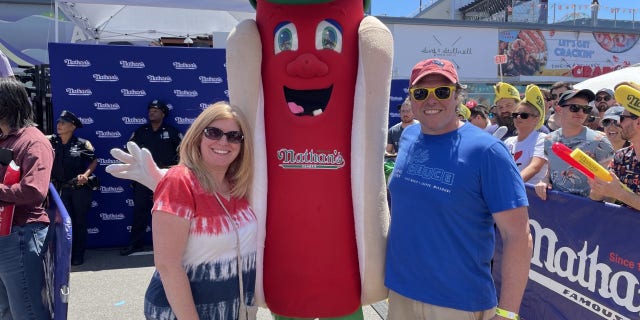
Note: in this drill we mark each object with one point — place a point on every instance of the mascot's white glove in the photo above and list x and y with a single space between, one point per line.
137 165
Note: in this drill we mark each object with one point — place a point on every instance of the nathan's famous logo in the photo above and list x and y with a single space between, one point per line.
77 63
205 79
105 189
204 105
584 269
85 121
185 65
94 204
633 101
132 64
129 202
93 230
184 120
105 77
134 120
160 79
111 216
78 92
185 93
108 134
106 106
106 162
310 159
133 92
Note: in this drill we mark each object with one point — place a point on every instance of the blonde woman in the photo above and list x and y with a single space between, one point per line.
194 239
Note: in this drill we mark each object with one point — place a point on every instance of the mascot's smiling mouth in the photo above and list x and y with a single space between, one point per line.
307 102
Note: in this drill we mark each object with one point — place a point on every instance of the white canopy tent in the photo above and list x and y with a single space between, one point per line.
609 80
148 20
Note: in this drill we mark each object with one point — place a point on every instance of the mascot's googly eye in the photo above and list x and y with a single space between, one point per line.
329 36
286 37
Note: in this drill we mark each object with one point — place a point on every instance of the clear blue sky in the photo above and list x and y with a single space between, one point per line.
403 8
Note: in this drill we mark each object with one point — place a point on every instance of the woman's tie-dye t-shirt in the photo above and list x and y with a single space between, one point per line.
210 257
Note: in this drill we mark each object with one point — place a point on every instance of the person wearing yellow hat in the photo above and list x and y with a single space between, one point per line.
527 147
507 96
623 168
463 112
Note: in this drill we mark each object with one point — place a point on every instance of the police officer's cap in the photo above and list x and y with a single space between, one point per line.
67 116
159 105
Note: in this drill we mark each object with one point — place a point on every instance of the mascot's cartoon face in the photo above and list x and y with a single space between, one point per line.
310 54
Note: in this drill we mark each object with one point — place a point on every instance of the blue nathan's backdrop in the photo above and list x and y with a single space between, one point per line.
109 88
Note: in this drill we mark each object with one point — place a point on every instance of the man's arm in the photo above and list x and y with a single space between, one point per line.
517 247
613 190
533 168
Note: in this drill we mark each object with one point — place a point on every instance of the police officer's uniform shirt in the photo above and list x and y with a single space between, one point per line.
163 143
71 159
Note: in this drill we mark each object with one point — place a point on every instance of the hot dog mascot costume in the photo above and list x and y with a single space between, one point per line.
313 78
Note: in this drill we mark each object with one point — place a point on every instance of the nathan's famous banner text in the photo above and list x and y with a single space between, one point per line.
586 262
109 88
569 54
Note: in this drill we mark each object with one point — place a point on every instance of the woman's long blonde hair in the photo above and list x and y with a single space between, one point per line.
240 171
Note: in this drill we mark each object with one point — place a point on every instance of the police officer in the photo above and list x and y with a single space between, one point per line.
73 164
162 141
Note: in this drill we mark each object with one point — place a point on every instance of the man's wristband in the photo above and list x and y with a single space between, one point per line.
507 314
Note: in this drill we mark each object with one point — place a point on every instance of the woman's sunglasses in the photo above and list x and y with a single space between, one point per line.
213 133
522 115
577 107
608 122
441 93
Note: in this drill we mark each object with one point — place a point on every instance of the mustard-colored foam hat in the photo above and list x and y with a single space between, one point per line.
464 111
628 95
504 90
534 96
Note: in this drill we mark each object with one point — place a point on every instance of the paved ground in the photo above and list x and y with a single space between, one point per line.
111 287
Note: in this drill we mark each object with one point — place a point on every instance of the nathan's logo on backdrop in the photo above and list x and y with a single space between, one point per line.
129 202
106 106
78 92
226 93
111 216
106 162
131 120
205 79
583 269
132 64
397 99
105 77
88 120
310 159
105 189
185 65
185 93
204 105
94 230
159 79
133 92
77 63
94 204
183 120
108 134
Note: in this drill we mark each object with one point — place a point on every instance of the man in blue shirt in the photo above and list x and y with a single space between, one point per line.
451 184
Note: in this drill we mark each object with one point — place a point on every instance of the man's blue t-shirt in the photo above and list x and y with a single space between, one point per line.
444 189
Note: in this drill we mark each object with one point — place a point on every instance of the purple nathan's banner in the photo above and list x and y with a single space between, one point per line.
585 264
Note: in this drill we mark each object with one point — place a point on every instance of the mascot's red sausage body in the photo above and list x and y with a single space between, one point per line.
313 77
309 74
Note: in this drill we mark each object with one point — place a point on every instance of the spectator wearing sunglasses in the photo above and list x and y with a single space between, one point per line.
625 167
554 94
527 147
611 127
572 111
605 100
593 120
203 225
451 183
162 141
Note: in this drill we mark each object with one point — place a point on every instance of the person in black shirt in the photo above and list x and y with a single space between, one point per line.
74 163
162 141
